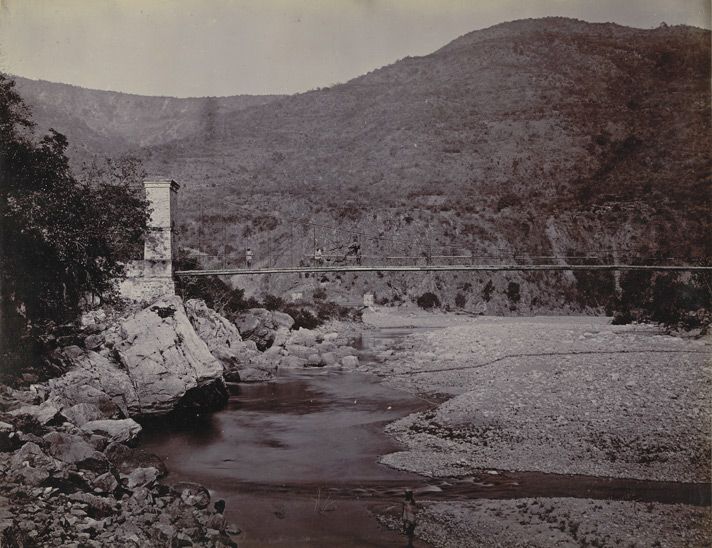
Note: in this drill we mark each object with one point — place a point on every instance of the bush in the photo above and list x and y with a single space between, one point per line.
302 317
319 294
272 302
487 291
428 301
460 300
513 292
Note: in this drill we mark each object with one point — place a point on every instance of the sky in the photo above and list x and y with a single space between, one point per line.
188 48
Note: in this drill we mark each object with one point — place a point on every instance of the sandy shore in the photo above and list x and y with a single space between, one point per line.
565 395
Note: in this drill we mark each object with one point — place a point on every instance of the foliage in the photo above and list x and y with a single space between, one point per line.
460 300
319 294
272 302
487 291
302 317
217 294
59 238
513 292
671 299
428 301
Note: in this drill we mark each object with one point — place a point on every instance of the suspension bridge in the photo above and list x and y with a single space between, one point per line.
319 248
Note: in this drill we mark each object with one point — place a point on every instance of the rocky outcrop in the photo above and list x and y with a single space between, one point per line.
261 326
241 360
149 364
75 487
218 333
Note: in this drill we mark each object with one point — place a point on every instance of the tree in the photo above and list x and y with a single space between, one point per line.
60 237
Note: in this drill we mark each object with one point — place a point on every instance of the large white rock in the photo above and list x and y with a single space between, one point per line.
121 431
156 362
217 332
163 356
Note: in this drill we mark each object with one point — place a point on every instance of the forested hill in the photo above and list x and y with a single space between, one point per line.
549 137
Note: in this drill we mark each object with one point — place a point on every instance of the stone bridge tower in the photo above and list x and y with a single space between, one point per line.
152 277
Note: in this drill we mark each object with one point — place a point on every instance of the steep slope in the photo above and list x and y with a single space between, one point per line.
537 137
107 122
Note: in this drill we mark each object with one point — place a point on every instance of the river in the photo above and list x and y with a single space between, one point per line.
296 461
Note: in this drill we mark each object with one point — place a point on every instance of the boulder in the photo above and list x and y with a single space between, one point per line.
141 477
247 323
93 342
218 333
281 319
329 358
255 374
192 494
293 362
93 317
261 326
69 448
280 336
82 413
95 380
299 350
105 483
349 361
165 359
122 431
127 459
156 361
314 360
44 413
304 337
32 464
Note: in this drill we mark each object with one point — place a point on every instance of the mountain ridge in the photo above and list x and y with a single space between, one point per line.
525 138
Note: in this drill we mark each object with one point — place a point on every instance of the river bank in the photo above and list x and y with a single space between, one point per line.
556 395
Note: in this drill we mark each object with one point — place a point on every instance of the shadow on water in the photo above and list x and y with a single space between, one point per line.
297 462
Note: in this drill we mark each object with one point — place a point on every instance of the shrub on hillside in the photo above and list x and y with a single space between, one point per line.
671 299
302 317
487 291
428 301
460 300
273 302
513 292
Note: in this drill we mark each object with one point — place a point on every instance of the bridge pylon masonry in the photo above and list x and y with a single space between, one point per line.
151 278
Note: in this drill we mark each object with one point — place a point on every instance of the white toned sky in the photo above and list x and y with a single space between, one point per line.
227 47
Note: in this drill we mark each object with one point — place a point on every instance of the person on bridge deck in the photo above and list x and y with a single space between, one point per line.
354 251
319 256
410 511
248 257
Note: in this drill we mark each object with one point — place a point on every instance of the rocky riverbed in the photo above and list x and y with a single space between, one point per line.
70 470
507 398
557 395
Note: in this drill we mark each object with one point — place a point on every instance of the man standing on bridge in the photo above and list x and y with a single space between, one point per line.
248 257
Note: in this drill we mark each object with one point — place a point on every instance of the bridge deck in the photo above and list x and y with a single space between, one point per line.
441 268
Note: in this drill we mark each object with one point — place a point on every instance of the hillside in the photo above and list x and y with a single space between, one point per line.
108 122
536 137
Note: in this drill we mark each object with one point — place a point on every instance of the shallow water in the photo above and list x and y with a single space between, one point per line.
297 461
282 453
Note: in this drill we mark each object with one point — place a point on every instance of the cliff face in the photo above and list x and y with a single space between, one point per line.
531 138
